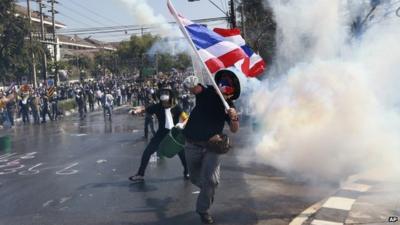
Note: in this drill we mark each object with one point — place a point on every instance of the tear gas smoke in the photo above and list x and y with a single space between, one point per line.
336 111
144 14
173 46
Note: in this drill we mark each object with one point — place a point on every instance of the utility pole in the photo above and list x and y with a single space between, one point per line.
232 14
53 12
43 37
30 40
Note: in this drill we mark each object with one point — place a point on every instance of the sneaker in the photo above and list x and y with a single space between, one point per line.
136 179
206 218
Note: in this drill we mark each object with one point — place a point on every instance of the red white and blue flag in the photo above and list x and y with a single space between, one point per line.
221 48
253 65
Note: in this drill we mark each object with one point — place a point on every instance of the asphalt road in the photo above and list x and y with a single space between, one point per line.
75 172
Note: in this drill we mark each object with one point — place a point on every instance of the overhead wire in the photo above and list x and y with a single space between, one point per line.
73 19
81 15
95 13
222 5
130 27
143 25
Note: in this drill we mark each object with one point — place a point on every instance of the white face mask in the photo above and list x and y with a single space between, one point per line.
164 98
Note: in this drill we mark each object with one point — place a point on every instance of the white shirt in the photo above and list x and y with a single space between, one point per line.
169 122
109 100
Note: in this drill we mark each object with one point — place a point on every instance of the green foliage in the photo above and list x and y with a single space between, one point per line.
107 61
15 50
133 56
260 27
167 61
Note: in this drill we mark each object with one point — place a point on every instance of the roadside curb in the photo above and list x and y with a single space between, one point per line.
334 210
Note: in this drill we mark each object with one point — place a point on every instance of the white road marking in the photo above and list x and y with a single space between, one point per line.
31 170
339 203
101 161
8 155
356 187
78 135
300 219
323 222
62 200
30 155
65 170
47 203
196 192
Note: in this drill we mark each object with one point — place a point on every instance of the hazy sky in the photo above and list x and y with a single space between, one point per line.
100 13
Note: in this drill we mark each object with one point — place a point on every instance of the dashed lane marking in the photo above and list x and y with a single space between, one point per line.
323 222
339 203
335 209
356 187
300 219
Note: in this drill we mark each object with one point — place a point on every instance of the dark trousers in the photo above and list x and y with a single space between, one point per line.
10 115
152 147
54 110
148 121
36 117
44 113
25 115
91 106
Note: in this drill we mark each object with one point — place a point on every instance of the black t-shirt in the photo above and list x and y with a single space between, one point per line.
208 116
159 111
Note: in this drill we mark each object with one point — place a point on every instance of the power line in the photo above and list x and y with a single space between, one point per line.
90 30
218 7
95 13
81 15
73 19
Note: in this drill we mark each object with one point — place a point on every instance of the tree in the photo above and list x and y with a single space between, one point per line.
132 53
260 27
183 61
15 57
13 52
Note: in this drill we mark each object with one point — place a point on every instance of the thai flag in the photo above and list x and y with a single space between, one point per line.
220 50
253 65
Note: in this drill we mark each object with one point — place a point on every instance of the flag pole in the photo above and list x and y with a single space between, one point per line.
186 34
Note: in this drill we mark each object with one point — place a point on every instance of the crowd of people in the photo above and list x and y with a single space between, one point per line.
35 106
177 100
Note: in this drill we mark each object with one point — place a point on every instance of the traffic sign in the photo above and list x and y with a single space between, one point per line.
50 82
24 80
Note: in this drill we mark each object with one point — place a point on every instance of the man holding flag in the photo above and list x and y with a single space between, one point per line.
217 51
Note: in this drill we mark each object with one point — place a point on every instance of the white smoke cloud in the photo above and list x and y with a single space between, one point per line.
336 111
144 14
173 45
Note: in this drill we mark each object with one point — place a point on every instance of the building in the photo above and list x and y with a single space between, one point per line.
67 46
